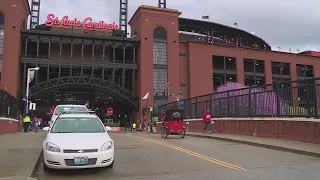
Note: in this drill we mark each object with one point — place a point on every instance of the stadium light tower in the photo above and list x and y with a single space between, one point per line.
162 3
35 14
124 17
279 48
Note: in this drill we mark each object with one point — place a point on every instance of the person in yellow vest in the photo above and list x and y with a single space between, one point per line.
134 126
26 123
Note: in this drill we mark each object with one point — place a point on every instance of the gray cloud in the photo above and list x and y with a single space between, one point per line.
286 23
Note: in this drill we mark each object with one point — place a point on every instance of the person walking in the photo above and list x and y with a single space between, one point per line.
36 124
26 123
206 121
134 126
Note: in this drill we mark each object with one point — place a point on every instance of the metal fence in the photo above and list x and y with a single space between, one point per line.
299 98
8 105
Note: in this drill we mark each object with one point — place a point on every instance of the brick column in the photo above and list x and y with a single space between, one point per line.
294 88
268 72
240 70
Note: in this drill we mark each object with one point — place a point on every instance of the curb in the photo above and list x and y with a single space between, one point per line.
34 170
279 148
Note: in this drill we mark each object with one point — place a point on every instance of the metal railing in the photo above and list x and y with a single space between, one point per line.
299 98
8 105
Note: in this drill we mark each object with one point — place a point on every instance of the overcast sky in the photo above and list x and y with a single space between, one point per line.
281 23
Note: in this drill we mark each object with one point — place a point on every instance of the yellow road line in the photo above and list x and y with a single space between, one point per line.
201 156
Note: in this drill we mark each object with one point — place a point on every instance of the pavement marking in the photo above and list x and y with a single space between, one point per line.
201 156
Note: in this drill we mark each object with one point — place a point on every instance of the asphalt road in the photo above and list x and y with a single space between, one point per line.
148 156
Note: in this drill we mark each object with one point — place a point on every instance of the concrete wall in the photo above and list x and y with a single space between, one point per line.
8 125
298 129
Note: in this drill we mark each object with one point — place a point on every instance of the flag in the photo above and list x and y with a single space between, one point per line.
205 17
145 97
31 76
25 98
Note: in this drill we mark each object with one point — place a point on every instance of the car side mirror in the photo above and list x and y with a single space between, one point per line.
91 112
108 128
46 128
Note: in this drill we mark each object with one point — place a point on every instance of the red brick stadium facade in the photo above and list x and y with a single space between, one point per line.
169 62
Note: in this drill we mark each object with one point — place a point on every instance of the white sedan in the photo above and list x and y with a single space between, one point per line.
77 141
70 109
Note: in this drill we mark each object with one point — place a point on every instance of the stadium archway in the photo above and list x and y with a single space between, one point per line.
85 82
82 89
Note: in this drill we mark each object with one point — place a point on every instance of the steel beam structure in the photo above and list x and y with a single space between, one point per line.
123 17
35 14
162 3
84 81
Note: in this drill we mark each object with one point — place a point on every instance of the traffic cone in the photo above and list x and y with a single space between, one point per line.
118 130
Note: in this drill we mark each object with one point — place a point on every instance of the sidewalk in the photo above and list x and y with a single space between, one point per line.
19 153
277 144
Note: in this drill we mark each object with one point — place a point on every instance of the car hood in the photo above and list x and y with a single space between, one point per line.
78 140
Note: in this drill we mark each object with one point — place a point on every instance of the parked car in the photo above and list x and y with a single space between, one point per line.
77 141
60 109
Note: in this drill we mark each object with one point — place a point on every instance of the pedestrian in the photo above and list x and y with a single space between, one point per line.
163 115
36 124
45 123
26 123
134 126
151 126
206 121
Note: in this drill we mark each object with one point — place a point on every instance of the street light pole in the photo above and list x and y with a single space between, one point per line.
168 92
27 88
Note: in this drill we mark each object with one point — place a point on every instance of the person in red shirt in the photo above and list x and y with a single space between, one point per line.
207 121
163 115
52 108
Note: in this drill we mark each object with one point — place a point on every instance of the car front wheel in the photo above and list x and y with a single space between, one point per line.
45 167
111 165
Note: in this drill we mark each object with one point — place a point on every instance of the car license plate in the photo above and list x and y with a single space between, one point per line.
80 160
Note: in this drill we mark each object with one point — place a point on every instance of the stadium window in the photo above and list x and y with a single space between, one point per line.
254 72
304 71
224 69
280 72
160 75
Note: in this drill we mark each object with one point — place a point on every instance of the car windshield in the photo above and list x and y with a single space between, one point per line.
70 109
78 125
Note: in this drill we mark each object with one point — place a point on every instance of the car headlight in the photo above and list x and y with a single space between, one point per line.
52 147
106 146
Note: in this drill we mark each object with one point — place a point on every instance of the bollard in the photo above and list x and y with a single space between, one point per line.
187 123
